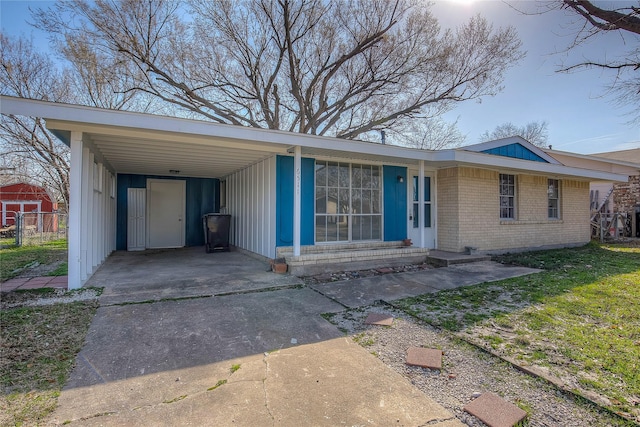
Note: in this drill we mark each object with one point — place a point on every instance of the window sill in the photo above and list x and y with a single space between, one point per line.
523 222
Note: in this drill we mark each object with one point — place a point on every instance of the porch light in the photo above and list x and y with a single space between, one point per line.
400 178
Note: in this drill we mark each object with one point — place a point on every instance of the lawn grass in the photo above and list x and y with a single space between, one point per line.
14 258
37 352
579 319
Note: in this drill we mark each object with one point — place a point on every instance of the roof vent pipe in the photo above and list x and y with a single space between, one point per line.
382 135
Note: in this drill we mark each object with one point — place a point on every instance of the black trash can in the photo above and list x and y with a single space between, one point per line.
216 231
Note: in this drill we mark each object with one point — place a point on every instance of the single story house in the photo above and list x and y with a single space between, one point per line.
144 181
31 201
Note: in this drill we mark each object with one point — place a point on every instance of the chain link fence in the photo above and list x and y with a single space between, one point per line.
34 228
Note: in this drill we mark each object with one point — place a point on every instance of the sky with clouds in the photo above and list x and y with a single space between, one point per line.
581 115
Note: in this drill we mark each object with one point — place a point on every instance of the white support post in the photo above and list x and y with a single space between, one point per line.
434 209
75 210
297 197
421 189
87 207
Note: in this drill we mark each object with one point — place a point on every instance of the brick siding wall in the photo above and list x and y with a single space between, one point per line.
469 215
627 195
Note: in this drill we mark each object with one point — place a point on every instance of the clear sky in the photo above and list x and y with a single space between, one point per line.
581 116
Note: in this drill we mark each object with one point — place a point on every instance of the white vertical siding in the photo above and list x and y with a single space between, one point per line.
92 212
136 215
251 201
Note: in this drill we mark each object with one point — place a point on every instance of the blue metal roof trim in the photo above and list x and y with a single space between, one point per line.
516 151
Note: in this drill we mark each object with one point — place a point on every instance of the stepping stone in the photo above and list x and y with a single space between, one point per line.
424 357
494 411
379 319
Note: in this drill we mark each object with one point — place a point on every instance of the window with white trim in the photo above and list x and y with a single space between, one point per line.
553 195
507 196
348 202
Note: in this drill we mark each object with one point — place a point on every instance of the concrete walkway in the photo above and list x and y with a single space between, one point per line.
390 287
174 361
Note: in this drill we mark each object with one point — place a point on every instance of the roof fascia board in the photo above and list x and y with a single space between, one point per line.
163 136
125 123
500 162
594 157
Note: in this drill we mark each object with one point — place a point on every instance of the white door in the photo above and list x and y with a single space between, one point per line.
136 219
165 213
420 218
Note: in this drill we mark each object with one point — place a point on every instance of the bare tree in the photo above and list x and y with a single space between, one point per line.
427 134
28 149
591 21
325 67
535 132
625 85
603 19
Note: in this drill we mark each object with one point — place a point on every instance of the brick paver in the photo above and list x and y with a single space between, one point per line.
494 411
34 283
379 319
424 357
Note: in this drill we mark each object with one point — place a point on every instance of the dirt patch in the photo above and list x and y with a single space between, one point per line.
46 296
358 274
35 269
467 371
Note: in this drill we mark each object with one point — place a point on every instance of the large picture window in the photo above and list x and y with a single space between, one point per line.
348 202
553 194
507 196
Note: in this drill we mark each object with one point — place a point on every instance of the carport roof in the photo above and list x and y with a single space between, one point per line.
139 143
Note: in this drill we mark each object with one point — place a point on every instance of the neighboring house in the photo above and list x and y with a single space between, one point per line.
625 196
30 200
610 197
143 181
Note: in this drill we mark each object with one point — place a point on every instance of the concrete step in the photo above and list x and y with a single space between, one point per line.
445 259
350 257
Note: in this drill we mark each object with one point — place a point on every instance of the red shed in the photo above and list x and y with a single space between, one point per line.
29 199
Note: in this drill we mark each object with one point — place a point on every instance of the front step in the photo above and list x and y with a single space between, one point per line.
445 259
322 259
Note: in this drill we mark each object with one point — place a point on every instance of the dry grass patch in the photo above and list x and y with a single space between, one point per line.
38 346
579 320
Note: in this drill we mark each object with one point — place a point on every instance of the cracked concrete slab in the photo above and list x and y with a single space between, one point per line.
184 272
390 287
169 362
288 387
139 339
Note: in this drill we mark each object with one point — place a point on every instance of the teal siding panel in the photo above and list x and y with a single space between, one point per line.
284 201
516 151
202 196
308 202
395 203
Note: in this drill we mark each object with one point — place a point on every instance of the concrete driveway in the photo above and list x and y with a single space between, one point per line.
188 338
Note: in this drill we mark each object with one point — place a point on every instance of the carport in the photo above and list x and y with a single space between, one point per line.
108 144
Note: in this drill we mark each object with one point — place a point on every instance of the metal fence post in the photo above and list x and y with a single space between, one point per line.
18 223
